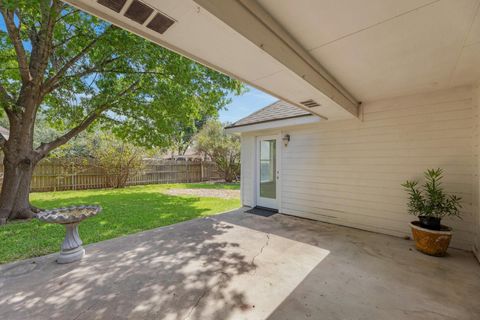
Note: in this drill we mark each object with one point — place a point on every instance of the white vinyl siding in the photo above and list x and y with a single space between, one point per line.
247 174
477 171
349 172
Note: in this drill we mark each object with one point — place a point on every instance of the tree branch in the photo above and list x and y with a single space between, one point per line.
95 69
67 14
51 82
5 99
31 30
84 72
67 39
125 72
45 148
43 45
14 35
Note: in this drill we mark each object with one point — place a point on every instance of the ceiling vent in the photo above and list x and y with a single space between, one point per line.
115 5
310 103
138 12
160 23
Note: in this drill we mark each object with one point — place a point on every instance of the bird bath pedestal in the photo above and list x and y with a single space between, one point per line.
70 217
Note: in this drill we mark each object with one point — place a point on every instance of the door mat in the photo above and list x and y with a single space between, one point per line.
264 212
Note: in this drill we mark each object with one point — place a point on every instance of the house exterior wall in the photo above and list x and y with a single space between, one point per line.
476 247
349 172
247 176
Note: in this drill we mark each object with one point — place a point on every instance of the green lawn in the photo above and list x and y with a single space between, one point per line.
125 211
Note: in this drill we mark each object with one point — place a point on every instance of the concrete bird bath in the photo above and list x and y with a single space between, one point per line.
70 217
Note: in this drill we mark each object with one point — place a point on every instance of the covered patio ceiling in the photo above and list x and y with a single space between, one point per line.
328 54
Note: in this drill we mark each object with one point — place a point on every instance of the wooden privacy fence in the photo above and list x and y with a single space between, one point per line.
52 175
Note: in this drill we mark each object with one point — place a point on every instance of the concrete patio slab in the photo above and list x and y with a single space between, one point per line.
242 266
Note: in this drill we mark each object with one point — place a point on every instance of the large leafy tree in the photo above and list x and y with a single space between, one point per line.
80 71
223 148
184 136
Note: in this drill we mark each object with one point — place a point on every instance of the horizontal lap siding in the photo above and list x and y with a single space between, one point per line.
349 172
247 175
475 195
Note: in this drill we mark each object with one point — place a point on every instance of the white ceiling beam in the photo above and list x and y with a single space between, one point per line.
249 19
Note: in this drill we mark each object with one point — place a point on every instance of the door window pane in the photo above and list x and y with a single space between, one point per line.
268 169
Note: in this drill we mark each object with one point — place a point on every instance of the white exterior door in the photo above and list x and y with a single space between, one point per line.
268 171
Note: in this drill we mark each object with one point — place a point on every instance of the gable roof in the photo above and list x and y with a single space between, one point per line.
279 110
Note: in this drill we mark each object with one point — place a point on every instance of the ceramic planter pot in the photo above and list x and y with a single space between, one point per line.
431 242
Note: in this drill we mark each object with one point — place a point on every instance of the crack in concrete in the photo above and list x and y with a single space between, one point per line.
86 310
196 303
252 263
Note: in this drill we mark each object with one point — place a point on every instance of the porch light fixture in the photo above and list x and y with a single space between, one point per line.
286 139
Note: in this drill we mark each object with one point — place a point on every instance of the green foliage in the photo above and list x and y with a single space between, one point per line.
222 147
141 92
77 148
118 159
125 211
431 201
183 138
44 132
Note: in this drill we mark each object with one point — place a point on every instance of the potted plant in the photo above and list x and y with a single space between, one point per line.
430 204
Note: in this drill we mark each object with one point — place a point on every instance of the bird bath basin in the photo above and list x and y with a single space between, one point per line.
71 217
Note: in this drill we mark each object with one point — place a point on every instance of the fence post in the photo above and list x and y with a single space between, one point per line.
55 179
74 181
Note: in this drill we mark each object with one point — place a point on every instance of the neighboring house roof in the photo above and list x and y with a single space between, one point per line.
279 110
4 132
191 154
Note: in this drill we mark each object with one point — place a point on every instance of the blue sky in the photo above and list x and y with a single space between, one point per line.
245 104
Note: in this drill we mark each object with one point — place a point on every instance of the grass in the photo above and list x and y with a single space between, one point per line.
125 211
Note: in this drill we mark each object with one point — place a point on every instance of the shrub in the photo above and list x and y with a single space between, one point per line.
221 147
431 200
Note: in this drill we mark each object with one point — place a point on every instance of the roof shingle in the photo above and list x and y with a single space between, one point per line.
278 110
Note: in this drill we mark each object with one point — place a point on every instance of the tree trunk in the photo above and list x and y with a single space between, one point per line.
18 164
14 197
